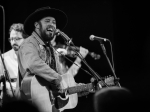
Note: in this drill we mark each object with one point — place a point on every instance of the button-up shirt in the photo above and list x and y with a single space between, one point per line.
10 61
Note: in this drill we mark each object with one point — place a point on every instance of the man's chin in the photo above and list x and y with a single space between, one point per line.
47 36
16 48
50 36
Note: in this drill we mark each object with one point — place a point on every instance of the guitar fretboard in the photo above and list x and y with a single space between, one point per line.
89 86
76 89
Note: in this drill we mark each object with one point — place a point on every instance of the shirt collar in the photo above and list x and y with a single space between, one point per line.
14 54
38 38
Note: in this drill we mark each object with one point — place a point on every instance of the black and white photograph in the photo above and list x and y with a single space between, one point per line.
74 56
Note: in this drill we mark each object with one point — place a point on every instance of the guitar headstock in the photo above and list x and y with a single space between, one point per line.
106 81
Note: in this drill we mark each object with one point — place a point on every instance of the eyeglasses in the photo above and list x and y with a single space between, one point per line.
15 39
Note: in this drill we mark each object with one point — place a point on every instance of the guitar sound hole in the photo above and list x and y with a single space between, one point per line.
63 95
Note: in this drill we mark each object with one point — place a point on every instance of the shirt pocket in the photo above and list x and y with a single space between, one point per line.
42 54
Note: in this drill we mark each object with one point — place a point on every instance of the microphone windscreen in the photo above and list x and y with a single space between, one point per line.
92 37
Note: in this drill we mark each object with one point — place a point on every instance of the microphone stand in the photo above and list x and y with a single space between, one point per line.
7 76
69 41
104 51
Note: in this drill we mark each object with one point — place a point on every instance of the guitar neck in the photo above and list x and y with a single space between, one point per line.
76 89
89 86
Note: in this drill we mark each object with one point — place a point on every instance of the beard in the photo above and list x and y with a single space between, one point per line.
15 47
46 35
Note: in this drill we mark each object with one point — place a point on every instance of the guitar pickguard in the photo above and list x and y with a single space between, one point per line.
59 102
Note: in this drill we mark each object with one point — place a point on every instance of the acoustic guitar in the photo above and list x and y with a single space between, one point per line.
36 88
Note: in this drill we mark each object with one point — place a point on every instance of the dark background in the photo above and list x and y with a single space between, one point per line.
125 24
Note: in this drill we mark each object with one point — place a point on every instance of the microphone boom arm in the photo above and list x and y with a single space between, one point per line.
65 36
97 77
112 69
69 41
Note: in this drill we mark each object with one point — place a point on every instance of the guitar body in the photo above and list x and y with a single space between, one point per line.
68 81
43 95
46 96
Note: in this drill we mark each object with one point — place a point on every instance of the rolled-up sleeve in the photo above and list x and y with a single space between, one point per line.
31 60
75 67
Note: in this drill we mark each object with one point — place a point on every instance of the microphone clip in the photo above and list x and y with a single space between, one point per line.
100 39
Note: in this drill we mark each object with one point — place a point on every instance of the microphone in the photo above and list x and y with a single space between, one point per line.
92 37
58 32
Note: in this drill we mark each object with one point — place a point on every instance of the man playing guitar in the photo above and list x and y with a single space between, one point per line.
40 78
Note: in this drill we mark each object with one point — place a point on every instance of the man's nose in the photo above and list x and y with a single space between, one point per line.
51 24
13 41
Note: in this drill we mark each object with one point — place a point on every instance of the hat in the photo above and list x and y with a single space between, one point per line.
60 17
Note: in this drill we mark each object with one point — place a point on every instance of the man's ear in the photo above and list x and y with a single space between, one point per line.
36 24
